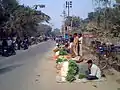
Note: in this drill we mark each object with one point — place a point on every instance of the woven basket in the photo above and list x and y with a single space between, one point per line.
55 50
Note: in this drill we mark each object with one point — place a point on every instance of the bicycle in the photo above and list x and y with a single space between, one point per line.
109 60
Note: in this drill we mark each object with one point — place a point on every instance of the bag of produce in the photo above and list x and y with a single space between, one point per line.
57 53
60 79
58 66
55 50
64 69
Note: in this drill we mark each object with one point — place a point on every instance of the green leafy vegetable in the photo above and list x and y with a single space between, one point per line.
63 52
81 76
59 60
73 71
70 78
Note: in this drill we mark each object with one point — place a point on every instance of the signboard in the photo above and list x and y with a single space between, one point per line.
88 35
42 6
66 36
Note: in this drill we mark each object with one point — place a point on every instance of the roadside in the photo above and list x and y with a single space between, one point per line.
46 78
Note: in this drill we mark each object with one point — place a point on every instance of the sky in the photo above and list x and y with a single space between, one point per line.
54 9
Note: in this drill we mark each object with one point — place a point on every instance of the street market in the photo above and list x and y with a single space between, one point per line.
67 64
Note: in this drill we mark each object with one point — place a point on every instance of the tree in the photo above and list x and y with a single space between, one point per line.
19 19
73 21
104 21
56 32
44 29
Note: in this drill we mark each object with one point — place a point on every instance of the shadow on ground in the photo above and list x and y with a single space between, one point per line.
9 68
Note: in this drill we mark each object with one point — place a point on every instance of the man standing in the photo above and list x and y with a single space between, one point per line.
71 46
76 40
80 45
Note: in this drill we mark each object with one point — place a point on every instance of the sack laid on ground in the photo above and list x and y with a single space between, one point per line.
58 66
57 53
60 79
64 69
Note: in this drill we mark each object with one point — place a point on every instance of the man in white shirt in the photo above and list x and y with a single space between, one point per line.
80 45
93 71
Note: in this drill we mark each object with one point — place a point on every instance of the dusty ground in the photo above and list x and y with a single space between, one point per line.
45 79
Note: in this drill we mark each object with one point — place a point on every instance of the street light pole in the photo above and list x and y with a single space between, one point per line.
68 10
68 6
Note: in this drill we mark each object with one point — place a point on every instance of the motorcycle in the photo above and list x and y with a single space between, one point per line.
8 51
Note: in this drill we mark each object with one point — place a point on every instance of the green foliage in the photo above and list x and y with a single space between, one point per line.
63 52
73 71
44 29
81 76
56 32
104 22
74 20
60 60
20 19
70 78
117 1
73 68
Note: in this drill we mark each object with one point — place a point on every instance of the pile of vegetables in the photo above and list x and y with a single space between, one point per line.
73 68
72 72
63 52
60 60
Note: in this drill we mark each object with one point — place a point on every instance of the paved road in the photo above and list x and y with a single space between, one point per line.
15 71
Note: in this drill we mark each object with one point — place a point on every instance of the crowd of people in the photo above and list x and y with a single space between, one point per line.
8 46
73 45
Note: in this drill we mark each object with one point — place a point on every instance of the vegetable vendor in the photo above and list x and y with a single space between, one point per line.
93 72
